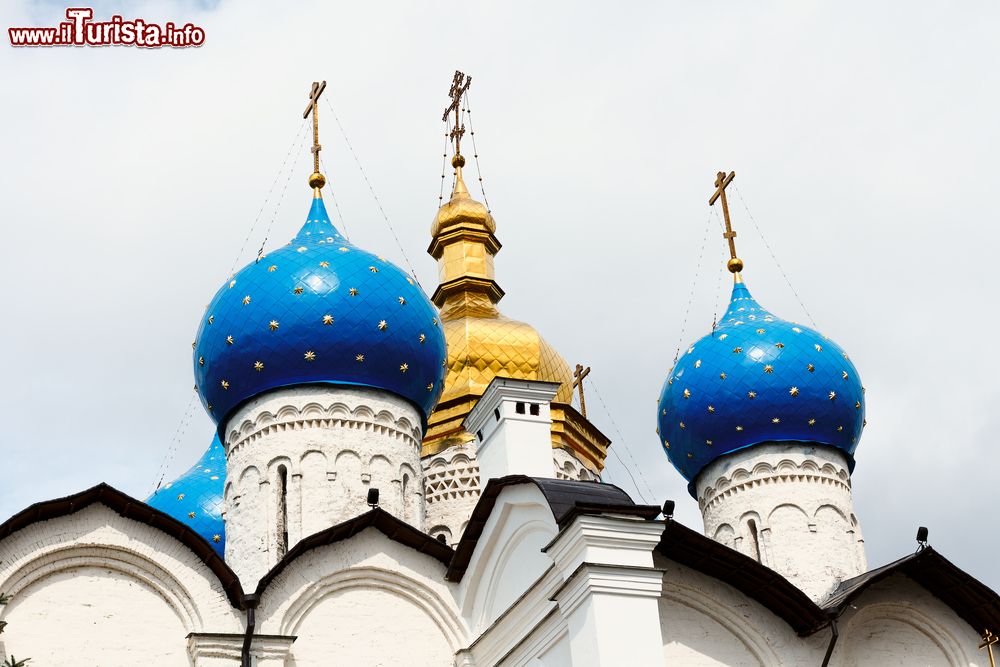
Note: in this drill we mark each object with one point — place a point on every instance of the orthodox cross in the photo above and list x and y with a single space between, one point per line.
721 182
459 86
578 376
989 639
317 89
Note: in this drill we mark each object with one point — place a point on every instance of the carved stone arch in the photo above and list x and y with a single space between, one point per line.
909 615
247 473
422 597
725 534
838 511
281 460
339 410
364 412
756 644
108 557
311 410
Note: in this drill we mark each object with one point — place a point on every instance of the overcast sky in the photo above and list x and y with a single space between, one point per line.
864 138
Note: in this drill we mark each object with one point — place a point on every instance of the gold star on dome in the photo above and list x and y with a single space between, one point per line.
737 350
258 366
682 425
272 268
690 455
810 368
342 249
324 264
353 291
723 336
359 358
273 324
382 326
819 348
690 349
409 280
768 368
697 364
739 428
796 330
666 444
216 538
225 384
402 301
722 376
708 442
670 381
246 300
298 289
857 405
430 386
201 361
434 321
664 412
687 393
232 284
422 338
751 394
794 391
328 319
403 367
780 346
775 420
211 318
180 496
373 269
760 331
812 422
229 340
711 408
840 428
301 248
209 407
190 515
844 375
833 395
309 356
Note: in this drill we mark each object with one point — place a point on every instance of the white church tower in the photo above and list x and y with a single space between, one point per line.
762 418
320 363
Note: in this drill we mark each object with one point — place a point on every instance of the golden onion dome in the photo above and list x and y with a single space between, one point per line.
482 343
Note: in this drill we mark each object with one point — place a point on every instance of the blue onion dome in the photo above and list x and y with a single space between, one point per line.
318 310
195 498
757 378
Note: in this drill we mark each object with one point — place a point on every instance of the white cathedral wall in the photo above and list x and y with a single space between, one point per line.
96 588
388 605
329 444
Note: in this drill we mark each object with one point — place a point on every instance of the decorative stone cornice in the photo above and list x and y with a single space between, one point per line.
740 479
315 416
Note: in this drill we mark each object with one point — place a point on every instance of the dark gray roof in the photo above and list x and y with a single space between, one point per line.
566 499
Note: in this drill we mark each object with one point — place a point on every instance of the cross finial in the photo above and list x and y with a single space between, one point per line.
316 180
989 639
578 376
735 264
459 86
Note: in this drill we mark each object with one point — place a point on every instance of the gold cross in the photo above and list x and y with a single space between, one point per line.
459 86
735 264
578 376
317 89
989 639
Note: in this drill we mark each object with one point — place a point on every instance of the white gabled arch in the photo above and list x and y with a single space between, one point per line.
693 598
425 599
109 557
909 615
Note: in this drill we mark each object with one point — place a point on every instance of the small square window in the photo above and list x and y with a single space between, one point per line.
534 409
519 408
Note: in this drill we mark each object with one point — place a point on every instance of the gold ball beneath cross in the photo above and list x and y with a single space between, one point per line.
317 180
735 265
458 161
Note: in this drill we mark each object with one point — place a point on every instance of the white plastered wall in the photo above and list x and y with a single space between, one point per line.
368 601
94 588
